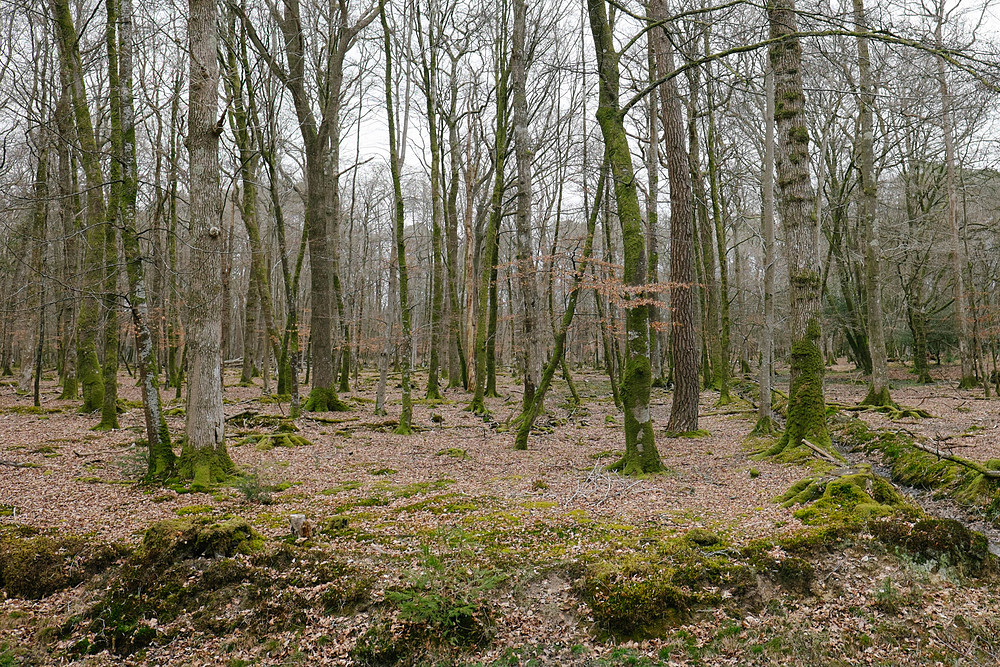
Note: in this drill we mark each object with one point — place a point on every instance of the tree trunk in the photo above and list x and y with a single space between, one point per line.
527 280
640 455
204 458
71 69
796 204
878 390
406 415
765 417
683 340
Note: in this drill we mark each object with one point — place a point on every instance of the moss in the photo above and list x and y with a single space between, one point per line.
968 484
324 399
37 566
699 433
852 498
702 537
944 541
177 539
455 453
204 466
806 405
193 509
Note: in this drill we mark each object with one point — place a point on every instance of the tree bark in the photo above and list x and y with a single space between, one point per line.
640 455
683 338
204 458
796 204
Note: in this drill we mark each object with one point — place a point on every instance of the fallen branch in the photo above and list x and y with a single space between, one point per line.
15 464
822 453
995 474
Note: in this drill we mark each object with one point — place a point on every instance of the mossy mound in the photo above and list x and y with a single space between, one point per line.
268 591
178 539
943 541
642 594
846 496
36 566
861 500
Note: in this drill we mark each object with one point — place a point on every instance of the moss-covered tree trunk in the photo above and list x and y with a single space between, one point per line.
68 213
204 458
656 343
640 455
71 70
878 389
683 338
406 415
796 204
160 459
486 287
109 409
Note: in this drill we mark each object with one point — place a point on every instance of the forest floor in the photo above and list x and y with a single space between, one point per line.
449 547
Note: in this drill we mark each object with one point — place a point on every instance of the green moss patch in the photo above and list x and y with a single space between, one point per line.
36 566
968 482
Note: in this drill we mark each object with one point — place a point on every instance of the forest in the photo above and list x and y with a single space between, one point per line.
500 333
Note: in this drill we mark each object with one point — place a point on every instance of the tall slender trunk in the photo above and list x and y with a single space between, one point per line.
765 417
683 338
641 455
527 279
406 415
878 390
71 69
160 459
956 255
796 204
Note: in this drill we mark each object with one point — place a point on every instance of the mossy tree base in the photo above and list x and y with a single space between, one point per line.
204 467
765 426
969 382
806 404
878 398
478 408
324 399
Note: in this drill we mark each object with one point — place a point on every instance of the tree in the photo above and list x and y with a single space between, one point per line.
796 201
683 341
641 455
878 391
204 458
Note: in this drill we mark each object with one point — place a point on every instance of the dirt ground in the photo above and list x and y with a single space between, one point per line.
457 487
